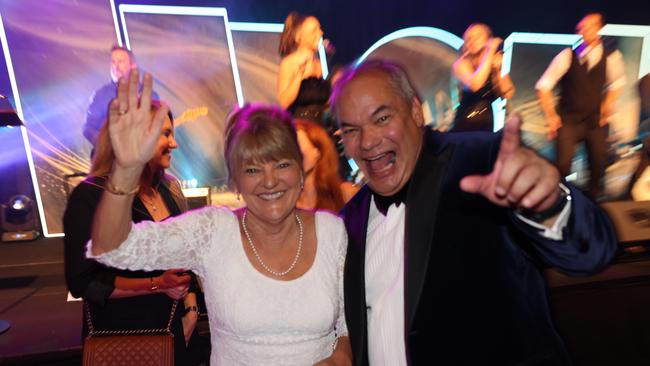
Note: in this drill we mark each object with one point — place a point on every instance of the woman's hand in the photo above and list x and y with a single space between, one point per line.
342 355
494 43
497 61
174 283
134 132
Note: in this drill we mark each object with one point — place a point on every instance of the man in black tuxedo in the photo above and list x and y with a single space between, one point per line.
448 239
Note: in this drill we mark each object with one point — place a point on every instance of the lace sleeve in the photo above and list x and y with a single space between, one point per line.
342 245
179 242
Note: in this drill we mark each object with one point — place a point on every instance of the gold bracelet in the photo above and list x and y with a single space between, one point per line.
111 188
154 287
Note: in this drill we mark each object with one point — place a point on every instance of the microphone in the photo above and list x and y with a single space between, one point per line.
328 47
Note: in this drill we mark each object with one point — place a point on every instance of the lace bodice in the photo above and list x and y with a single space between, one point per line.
254 319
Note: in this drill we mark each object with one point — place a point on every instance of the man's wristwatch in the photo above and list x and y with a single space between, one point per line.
192 308
556 208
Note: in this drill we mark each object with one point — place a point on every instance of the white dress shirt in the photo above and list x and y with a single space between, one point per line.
385 286
615 71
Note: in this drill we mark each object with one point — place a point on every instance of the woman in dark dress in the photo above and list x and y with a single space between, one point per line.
122 299
301 87
479 73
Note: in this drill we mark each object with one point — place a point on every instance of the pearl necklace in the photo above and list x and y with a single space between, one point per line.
257 255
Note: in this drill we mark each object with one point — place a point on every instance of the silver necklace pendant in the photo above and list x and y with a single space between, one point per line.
151 203
257 255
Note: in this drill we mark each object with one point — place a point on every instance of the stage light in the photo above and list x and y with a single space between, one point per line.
19 203
18 219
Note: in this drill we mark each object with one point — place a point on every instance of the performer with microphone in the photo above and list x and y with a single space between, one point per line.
301 87
302 90
479 72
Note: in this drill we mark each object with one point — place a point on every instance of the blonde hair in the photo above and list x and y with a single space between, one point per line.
102 162
259 133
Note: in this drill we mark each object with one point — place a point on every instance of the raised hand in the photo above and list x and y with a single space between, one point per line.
520 178
494 43
133 130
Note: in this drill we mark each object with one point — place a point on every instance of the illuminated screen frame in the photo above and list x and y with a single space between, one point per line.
438 34
23 130
194 11
641 31
569 40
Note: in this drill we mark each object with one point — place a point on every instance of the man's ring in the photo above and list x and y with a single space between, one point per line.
121 113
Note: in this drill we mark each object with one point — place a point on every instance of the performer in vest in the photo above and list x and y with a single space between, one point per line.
591 78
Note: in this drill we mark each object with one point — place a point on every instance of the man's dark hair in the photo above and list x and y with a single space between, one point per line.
395 74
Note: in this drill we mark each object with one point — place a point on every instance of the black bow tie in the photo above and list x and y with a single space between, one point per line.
384 202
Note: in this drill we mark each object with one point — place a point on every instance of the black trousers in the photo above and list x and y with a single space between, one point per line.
595 139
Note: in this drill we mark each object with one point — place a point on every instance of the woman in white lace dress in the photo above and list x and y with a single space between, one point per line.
272 274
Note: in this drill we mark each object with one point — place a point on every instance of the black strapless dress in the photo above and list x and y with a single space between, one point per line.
475 110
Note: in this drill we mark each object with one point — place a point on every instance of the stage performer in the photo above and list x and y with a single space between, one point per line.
591 78
479 72
122 62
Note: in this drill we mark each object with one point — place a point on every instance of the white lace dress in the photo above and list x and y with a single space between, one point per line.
254 319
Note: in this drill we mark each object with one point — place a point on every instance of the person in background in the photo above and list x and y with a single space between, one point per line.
323 187
591 78
121 299
122 62
301 87
479 71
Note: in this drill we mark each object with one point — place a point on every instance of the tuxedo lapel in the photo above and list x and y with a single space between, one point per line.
356 223
421 209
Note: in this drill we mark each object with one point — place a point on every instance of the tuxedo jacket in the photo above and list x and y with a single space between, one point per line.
474 292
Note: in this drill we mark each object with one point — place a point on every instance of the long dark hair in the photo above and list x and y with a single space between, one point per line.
288 38
326 172
102 162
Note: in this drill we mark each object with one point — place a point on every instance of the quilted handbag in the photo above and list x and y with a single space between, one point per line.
142 347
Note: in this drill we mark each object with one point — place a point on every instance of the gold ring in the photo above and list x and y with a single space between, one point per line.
121 113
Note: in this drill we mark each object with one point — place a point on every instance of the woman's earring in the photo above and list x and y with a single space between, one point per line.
238 197
302 184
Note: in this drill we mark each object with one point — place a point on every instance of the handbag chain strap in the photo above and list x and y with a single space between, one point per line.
93 332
